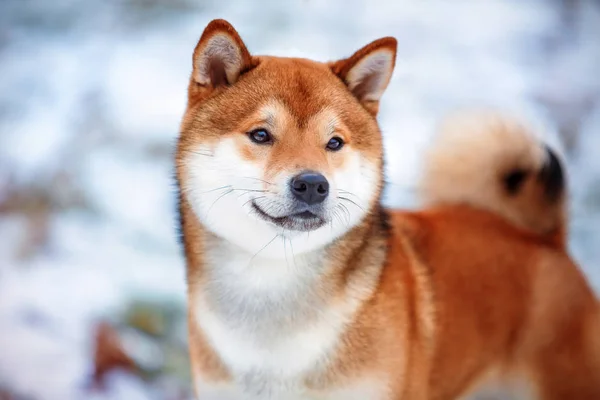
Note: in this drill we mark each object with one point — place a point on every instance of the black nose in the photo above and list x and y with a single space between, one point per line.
310 187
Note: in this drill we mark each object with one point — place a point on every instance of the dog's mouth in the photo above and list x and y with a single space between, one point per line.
301 221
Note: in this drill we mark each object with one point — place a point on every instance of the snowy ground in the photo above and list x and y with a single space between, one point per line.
90 99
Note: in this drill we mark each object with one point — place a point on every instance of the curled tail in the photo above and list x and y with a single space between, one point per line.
493 162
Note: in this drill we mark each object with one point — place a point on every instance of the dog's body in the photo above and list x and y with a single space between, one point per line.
301 286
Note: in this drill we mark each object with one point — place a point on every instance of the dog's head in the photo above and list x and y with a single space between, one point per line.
281 147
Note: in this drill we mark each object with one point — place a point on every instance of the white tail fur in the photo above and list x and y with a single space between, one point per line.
494 162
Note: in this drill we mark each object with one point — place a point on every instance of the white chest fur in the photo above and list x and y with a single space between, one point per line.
271 323
367 389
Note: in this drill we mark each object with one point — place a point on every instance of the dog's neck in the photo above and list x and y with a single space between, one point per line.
274 324
284 291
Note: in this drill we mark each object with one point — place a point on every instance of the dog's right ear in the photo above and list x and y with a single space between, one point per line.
220 56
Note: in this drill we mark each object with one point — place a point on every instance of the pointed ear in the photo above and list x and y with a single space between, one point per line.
220 55
368 71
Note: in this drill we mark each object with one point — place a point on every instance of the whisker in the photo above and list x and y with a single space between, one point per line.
212 190
346 212
218 198
342 221
201 153
256 198
343 213
347 192
246 191
258 179
252 190
262 248
293 256
351 201
335 215
285 249
249 191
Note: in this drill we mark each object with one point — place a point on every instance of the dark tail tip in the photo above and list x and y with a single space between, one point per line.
552 176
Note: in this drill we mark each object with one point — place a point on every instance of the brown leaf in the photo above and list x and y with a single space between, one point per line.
109 354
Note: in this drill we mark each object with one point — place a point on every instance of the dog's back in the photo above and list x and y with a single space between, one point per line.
511 306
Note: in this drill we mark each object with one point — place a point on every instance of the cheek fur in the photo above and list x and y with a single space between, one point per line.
357 183
220 182
223 164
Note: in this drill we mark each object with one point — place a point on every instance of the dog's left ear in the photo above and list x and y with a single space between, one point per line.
368 71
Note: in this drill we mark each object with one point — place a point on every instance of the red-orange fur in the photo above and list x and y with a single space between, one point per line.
460 292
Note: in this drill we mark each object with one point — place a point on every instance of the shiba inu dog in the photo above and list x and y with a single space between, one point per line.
302 286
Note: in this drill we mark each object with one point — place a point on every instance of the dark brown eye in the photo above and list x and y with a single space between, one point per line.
260 136
335 143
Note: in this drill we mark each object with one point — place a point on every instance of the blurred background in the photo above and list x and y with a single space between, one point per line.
92 284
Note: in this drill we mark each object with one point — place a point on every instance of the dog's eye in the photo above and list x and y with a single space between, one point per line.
260 136
335 143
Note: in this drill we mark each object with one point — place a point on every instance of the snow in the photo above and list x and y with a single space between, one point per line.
91 97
